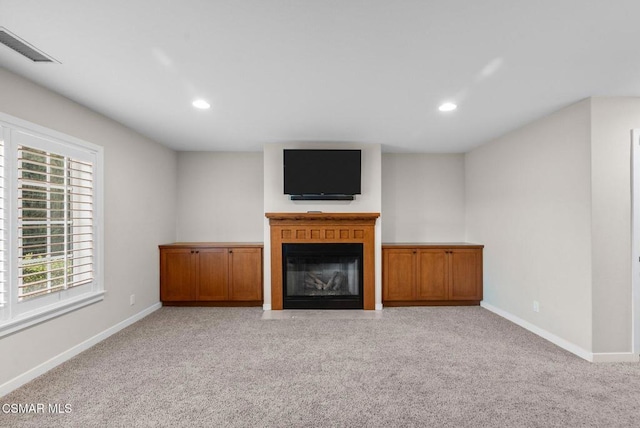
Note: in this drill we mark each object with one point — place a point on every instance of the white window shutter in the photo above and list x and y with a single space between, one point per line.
55 222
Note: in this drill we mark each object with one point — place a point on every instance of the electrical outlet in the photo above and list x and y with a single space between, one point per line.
132 300
536 306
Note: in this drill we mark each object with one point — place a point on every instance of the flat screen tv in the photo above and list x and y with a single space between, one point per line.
322 174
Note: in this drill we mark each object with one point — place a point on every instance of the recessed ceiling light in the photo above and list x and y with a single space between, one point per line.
201 104
447 107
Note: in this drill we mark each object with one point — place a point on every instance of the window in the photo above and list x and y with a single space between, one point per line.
55 222
50 211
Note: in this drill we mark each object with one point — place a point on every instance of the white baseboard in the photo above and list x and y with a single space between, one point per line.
616 357
556 340
29 375
611 357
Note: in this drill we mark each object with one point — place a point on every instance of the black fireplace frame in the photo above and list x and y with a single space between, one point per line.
310 250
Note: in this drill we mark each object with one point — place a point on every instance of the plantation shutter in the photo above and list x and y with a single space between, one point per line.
55 222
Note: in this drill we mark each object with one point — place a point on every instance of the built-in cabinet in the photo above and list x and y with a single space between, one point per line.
431 274
211 274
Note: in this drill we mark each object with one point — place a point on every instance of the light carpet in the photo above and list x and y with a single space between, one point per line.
417 366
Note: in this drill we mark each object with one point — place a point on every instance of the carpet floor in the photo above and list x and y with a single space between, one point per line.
413 367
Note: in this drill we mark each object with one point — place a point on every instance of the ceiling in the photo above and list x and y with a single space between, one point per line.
353 71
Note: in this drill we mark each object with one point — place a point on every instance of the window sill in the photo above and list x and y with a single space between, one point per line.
47 313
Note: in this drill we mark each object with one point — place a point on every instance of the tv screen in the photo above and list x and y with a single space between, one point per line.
322 172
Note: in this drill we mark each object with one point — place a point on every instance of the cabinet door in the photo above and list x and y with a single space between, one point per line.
398 277
245 274
212 274
432 275
466 274
177 281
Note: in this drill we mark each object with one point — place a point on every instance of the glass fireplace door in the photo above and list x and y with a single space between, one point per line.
322 276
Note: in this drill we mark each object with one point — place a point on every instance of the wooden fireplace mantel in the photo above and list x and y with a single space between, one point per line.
316 227
358 218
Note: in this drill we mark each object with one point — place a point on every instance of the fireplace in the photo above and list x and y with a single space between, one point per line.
322 276
323 228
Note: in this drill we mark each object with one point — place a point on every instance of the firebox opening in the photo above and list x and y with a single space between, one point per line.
322 276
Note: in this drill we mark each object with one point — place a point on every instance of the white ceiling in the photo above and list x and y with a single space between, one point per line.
365 71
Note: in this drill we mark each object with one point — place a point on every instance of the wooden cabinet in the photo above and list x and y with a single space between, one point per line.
211 274
245 281
399 274
431 274
177 275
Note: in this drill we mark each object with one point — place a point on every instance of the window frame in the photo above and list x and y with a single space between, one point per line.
16 315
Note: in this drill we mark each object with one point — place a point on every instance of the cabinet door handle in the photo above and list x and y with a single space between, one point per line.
198 252
230 251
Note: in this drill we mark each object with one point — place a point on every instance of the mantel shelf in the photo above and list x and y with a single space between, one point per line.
315 216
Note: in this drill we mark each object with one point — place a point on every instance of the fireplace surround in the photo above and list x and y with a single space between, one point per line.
322 228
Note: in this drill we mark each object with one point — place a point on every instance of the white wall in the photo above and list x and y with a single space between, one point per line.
528 200
220 197
612 121
139 201
276 201
423 197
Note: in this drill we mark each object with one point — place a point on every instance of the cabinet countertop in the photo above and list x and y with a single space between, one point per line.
213 245
431 245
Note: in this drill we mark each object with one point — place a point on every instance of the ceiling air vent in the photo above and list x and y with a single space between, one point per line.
22 47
